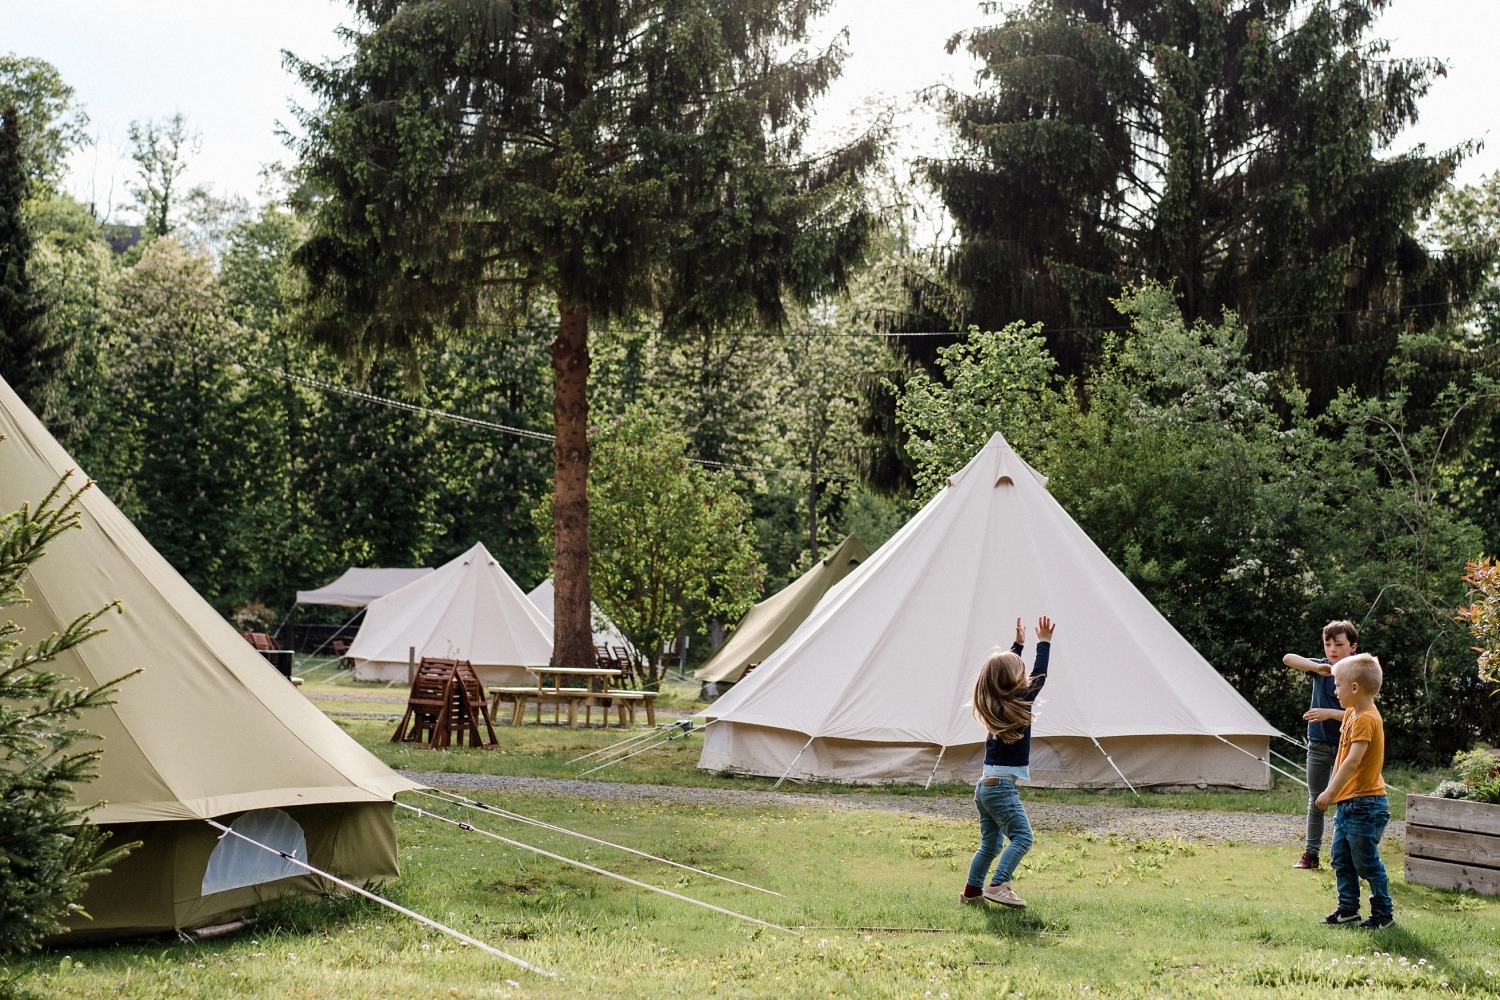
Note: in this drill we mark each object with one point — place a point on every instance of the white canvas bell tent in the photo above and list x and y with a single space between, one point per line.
467 609
207 730
606 633
875 685
771 622
357 586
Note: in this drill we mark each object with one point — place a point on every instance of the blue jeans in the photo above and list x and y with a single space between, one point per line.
1357 829
1001 815
1320 757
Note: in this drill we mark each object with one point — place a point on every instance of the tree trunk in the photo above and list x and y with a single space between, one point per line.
572 629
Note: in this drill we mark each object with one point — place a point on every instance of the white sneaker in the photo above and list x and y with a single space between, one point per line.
1002 893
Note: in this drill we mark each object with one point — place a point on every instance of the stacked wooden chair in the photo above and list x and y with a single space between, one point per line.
446 698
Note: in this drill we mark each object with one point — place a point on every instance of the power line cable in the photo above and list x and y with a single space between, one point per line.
427 411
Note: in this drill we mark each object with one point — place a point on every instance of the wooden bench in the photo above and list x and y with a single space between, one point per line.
624 703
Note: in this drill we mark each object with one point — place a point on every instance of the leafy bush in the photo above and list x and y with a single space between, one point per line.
1478 777
48 852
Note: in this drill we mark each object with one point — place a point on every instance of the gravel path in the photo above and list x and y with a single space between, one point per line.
1223 827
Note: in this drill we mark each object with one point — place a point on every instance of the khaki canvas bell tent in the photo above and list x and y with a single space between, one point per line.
467 609
767 625
606 633
357 586
875 685
207 730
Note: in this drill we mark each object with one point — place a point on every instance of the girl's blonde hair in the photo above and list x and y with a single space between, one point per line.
1001 702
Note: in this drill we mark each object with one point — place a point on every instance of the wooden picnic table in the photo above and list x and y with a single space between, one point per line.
589 686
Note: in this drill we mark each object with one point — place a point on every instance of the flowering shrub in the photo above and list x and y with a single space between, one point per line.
1478 777
1483 615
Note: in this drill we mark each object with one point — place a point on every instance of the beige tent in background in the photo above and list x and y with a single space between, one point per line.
467 609
207 730
875 685
767 625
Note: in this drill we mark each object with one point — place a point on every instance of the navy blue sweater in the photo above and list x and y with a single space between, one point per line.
1018 754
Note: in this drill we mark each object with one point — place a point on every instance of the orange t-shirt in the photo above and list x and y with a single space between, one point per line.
1366 779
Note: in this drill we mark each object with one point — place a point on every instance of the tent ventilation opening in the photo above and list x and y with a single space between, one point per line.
235 863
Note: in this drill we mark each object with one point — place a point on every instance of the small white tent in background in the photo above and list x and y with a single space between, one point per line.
875 685
466 609
357 586
606 633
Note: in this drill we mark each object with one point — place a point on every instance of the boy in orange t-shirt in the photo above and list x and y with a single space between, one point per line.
1357 788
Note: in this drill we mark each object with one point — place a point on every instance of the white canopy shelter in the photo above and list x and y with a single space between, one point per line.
875 685
466 609
357 586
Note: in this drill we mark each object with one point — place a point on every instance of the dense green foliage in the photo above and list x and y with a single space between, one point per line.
1229 149
48 852
31 360
256 484
50 126
782 412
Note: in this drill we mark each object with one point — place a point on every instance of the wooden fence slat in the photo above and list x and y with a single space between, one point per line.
1447 875
1453 845
1453 814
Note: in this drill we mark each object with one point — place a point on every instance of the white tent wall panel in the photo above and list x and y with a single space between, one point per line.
1059 762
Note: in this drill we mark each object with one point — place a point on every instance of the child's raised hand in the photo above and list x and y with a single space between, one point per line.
1020 632
1044 629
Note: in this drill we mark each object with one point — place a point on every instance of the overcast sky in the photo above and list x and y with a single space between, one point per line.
219 63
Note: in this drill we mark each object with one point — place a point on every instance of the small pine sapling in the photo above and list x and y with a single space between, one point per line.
48 850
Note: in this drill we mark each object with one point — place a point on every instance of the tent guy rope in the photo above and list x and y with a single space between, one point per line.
1247 753
446 796
637 738
678 733
466 939
469 827
1116 767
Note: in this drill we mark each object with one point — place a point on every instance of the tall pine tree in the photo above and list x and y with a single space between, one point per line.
1234 150
614 156
30 360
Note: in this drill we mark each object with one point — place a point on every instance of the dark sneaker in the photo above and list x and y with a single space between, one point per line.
1378 923
1340 917
1309 860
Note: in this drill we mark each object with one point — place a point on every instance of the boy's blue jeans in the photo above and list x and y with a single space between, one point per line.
1357 829
1001 815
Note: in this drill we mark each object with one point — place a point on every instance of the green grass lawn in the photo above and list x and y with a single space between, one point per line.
869 899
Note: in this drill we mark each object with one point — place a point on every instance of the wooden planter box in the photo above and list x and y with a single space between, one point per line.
1453 844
